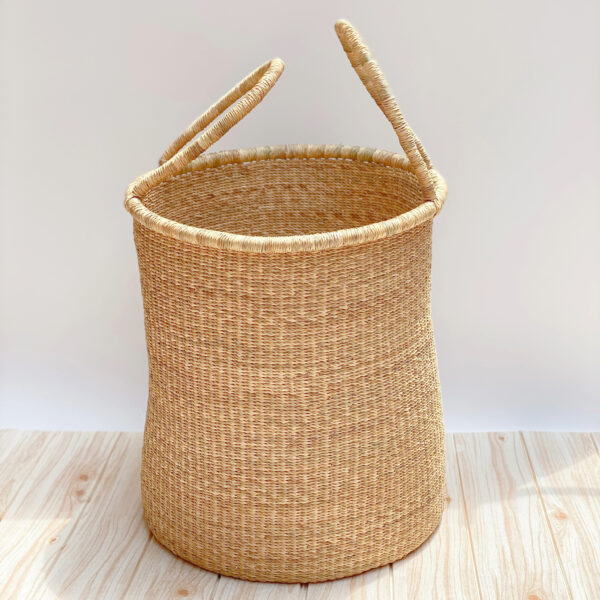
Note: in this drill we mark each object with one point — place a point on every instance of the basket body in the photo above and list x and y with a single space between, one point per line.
294 428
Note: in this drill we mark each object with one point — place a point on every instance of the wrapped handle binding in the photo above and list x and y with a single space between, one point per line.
223 115
245 96
373 79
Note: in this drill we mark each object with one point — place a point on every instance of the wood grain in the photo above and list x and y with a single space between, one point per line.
596 438
99 556
161 574
54 493
235 589
19 451
522 521
373 585
443 567
512 543
567 470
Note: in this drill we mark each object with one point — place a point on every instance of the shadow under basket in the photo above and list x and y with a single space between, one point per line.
294 429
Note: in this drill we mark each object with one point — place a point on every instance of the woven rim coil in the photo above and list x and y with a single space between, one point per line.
294 429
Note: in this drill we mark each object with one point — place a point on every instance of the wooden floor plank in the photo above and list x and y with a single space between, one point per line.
99 556
567 470
161 574
513 546
523 513
372 585
443 567
236 589
19 453
596 438
52 495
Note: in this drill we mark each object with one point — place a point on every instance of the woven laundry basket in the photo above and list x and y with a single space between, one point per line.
294 428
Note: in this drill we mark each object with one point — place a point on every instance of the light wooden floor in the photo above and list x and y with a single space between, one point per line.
522 522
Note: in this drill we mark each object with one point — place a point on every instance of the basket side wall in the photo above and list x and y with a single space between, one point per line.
294 427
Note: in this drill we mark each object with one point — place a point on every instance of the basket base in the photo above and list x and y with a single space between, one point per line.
431 515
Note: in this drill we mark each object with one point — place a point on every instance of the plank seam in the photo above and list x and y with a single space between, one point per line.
545 511
137 565
464 504
215 588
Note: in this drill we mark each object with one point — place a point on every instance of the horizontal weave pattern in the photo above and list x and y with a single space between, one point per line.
294 428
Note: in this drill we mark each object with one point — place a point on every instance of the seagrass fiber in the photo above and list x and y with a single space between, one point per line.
294 429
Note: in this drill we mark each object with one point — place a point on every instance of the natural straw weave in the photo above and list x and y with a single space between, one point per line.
294 429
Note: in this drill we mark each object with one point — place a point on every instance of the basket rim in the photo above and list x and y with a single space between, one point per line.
311 242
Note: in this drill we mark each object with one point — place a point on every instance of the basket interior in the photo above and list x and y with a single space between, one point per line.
293 196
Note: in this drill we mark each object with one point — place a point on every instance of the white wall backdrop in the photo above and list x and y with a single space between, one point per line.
505 96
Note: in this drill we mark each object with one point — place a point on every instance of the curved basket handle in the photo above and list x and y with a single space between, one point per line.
373 79
225 113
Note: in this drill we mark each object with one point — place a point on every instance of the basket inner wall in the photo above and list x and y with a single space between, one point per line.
286 196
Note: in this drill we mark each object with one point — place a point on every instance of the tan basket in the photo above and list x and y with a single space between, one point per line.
294 428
